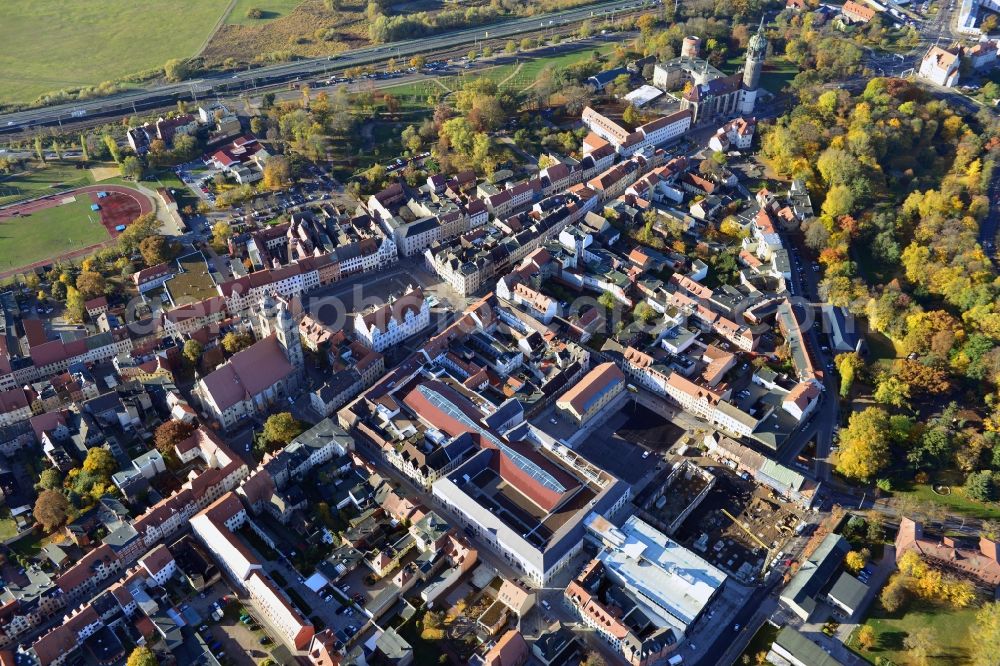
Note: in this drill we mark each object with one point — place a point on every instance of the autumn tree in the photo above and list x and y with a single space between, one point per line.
730 226
156 250
281 428
170 434
277 172
142 227
51 509
919 644
895 593
221 232
192 351
892 391
986 636
233 342
176 69
855 561
142 656
112 146
848 366
864 444
432 627
74 304
91 284
50 479
866 637
631 114
131 167
99 462
921 377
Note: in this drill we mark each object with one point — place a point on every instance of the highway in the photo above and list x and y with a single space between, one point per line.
251 79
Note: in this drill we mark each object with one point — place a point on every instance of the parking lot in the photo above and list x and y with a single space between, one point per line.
617 444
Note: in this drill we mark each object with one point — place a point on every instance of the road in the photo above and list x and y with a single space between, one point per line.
990 227
226 83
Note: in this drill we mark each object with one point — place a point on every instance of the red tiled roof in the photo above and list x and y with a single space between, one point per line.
46 422
13 400
412 301
84 568
34 331
157 560
152 273
248 373
94 303
597 380
510 650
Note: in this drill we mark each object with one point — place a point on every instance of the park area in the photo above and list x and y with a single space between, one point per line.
50 45
949 630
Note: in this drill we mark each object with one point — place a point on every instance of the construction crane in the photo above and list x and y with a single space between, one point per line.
767 549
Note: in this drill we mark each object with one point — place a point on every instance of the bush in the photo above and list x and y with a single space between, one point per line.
255 13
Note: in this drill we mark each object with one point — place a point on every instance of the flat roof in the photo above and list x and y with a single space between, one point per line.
668 580
194 282
643 95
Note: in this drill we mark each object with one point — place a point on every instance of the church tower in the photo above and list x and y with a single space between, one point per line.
756 52
287 333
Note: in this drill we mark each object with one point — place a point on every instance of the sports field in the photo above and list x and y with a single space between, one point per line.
49 45
42 180
49 232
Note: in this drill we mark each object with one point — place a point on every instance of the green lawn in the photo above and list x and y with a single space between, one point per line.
778 71
8 528
956 501
950 627
270 10
50 45
48 233
48 178
182 193
531 68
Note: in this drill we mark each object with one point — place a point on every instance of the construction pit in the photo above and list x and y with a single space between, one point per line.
739 526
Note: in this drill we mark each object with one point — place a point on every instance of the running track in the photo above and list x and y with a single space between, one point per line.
48 201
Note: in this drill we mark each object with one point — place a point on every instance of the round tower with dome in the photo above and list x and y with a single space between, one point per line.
756 52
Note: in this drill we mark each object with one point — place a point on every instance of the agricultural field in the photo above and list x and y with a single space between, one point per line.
53 44
49 233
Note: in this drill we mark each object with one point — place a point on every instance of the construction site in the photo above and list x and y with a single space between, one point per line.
674 495
739 526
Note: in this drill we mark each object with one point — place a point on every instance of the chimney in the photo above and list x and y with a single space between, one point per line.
988 547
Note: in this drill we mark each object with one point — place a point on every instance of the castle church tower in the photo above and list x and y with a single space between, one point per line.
756 52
